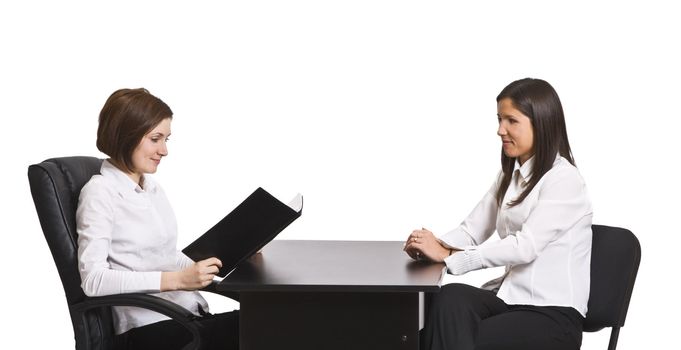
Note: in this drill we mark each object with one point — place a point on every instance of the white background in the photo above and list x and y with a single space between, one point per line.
382 113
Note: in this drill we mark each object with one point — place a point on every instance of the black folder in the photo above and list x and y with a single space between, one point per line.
245 230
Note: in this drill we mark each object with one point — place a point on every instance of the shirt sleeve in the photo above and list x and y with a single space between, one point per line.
95 222
183 261
562 202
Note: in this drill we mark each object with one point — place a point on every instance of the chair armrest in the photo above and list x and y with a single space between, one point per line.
146 301
177 313
213 289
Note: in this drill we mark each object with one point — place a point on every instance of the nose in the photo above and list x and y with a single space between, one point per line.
501 131
163 150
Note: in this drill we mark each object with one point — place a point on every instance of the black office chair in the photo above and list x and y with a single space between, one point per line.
615 256
55 186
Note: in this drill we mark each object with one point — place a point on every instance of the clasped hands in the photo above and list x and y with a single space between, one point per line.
422 244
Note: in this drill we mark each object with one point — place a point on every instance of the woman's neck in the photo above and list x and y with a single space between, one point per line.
522 159
136 177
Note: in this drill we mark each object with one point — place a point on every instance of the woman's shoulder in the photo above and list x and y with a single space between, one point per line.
565 173
98 185
563 167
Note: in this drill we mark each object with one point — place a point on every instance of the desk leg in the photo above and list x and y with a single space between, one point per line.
329 321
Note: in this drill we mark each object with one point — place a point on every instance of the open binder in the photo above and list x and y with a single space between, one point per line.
245 230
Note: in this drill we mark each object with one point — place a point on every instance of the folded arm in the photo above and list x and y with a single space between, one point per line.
562 202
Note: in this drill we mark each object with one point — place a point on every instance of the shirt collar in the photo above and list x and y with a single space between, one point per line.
124 181
525 170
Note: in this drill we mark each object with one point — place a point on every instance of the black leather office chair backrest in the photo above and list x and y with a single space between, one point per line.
55 186
615 257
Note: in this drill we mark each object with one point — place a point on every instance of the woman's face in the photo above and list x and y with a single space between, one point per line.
515 130
147 155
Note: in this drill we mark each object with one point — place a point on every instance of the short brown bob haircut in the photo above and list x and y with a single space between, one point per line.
126 117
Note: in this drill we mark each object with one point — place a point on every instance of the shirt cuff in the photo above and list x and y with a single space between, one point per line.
463 261
153 279
456 238
183 261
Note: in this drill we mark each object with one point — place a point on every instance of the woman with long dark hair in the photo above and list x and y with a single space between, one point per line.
542 213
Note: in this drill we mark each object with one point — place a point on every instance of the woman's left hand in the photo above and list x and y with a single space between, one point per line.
424 243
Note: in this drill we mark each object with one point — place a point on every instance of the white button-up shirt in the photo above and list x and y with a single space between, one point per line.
127 236
545 240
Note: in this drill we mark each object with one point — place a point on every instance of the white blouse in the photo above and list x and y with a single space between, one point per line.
545 240
127 236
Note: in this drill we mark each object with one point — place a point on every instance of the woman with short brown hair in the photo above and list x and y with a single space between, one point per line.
127 232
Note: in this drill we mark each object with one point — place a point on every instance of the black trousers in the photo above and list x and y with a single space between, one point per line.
221 331
462 317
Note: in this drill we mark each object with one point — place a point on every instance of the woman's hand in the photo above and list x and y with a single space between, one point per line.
196 276
423 244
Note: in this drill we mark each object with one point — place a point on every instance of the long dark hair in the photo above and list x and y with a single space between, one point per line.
536 99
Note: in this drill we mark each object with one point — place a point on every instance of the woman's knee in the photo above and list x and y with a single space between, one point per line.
464 300
455 295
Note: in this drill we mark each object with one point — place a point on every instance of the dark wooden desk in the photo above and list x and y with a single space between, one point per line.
332 295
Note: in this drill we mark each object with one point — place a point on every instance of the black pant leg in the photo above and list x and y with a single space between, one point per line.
454 315
220 331
531 328
160 335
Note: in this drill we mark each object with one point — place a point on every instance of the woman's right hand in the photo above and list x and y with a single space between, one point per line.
422 244
196 276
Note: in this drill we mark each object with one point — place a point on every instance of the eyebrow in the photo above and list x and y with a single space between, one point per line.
159 134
